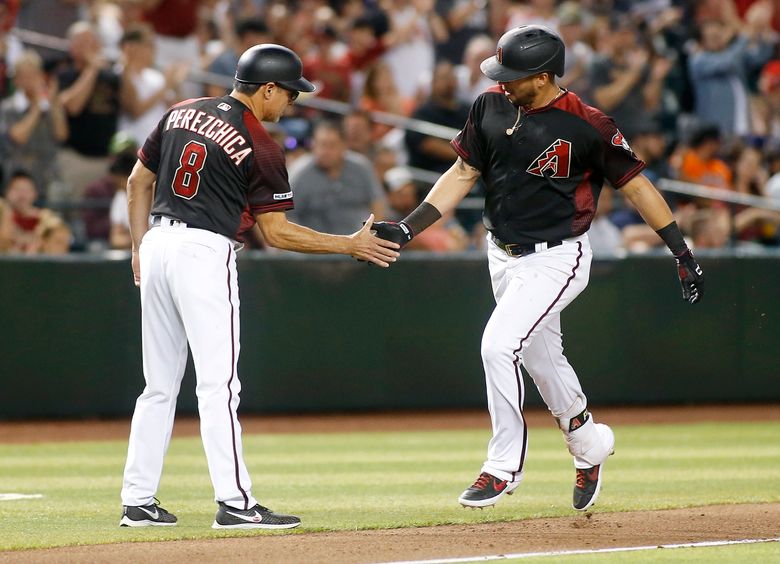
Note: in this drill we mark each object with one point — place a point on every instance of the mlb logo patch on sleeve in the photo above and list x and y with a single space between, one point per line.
224 106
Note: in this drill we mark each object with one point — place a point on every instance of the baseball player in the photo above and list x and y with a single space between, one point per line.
544 156
217 171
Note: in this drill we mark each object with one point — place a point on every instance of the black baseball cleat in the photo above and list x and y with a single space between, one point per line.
587 487
486 491
257 517
151 515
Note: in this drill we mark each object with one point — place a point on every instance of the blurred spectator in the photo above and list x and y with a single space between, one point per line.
381 94
446 235
358 133
465 20
33 123
751 177
442 108
537 12
402 196
700 163
31 224
330 70
49 17
414 28
120 221
334 189
53 235
364 47
766 117
626 79
471 81
384 159
710 228
6 226
248 32
649 144
99 197
605 237
175 22
726 52
579 55
10 47
90 94
146 93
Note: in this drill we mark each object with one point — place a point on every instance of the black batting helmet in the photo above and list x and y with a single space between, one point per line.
269 62
525 51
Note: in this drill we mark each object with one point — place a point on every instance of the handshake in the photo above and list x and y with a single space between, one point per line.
379 242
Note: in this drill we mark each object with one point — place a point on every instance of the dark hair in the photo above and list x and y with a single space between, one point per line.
137 33
705 134
329 125
123 163
247 88
19 173
250 25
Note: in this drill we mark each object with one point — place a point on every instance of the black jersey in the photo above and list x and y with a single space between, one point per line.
543 168
216 166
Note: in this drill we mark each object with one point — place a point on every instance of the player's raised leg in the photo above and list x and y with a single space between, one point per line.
589 443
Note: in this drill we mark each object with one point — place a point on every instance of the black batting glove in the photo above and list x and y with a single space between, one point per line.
691 276
395 231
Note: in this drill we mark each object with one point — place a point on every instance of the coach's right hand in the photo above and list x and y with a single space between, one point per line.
366 246
136 263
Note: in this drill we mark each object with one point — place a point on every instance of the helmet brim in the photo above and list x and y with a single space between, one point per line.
301 85
494 70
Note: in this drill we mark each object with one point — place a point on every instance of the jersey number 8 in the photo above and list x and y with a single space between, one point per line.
187 177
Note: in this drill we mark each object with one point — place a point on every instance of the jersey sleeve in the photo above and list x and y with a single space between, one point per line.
468 143
620 162
268 184
149 154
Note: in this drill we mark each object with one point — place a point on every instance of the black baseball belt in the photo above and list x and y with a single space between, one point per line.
523 249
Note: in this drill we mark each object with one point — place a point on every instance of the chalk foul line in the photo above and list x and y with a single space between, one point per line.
583 551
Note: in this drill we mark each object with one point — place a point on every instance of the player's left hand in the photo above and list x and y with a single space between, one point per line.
136 262
691 276
395 231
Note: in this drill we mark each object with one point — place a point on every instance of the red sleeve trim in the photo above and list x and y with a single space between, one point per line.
188 101
282 206
629 175
463 153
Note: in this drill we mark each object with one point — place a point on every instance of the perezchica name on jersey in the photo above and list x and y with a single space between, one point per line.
223 134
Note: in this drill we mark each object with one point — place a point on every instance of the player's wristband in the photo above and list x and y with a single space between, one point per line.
422 217
673 238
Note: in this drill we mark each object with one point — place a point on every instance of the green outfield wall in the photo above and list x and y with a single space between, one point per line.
329 333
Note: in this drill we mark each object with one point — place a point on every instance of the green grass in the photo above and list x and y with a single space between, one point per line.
380 480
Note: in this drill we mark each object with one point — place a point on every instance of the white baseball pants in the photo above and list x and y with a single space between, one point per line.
189 293
525 328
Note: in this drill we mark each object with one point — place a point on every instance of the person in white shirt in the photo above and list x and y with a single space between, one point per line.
146 92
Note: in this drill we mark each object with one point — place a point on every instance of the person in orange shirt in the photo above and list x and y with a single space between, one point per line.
700 163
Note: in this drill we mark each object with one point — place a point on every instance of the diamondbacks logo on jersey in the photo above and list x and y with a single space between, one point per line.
619 141
556 158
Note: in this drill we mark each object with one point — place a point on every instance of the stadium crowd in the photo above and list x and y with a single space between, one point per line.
694 86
